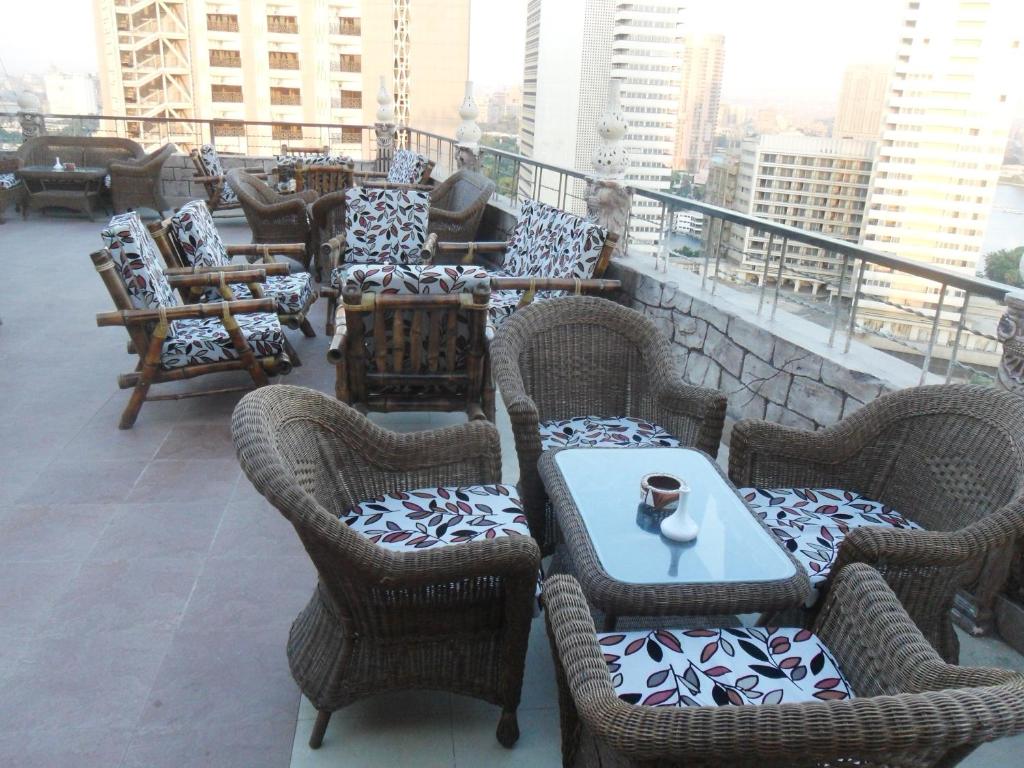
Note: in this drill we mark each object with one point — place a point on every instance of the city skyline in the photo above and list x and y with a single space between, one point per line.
769 47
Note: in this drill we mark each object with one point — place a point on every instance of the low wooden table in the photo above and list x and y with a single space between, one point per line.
48 188
627 568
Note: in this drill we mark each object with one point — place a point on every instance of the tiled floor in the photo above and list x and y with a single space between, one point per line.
146 589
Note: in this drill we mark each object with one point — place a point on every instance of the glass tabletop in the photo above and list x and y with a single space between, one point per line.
731 547
83 169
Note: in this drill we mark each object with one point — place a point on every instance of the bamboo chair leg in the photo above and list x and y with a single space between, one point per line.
316 738
307 328
148 372
252 365
296 361
332 307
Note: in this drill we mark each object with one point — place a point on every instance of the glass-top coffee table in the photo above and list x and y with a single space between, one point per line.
626 567
78 190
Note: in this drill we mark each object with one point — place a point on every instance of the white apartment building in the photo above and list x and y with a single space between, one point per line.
286 61
814 183
573 48
700 95
71 93
944 131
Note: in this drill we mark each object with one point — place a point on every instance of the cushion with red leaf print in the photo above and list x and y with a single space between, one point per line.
812 522
601 432
722 667
437 517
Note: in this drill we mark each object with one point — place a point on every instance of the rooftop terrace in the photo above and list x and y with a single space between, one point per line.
145 605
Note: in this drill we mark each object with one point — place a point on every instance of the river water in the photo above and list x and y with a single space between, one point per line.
1006 224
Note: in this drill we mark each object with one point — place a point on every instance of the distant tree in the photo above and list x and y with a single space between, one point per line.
1003 266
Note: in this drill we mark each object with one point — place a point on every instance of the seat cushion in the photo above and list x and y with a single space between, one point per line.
138 263
604 432
293 292
549 242
206 340
436 517
407 167
201 246
722 667
385 226
506 301
811 523
8 180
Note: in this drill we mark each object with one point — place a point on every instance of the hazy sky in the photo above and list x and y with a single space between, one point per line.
784 51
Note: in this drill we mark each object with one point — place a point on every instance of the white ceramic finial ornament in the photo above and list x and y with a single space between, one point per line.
611 159
385 104
680 526
468 133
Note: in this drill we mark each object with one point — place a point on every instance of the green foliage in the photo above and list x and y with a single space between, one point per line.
1003 266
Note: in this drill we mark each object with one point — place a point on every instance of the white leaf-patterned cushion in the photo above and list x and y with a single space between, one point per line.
407 167
436 517
206 340
722 667
138 262
506 301
409 279
211 160
290 161
385 226
198 236
549 242
603 432
8 180
811 523
293 293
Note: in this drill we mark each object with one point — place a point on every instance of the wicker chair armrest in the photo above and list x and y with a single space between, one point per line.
510 556
293 206
895 546
143 166
771 455
185 311
257 170
818 731
209 179
676 400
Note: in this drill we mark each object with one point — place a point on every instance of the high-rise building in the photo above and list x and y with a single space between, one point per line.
700 94
945 127
287 61
861 101
573 48
817 184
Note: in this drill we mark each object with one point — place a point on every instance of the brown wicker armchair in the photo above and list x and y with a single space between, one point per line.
273 217
429 605
926 484
457 204
586 371
136 184
908 708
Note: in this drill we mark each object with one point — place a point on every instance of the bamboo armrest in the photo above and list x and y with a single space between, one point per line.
268 249
271 268
332 251
255 170
185 311
480 247
259 173
214 278
335 352
369 174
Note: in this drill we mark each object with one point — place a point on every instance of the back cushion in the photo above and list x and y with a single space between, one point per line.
549 242
138 262
199 241
385 226
210 158
407 167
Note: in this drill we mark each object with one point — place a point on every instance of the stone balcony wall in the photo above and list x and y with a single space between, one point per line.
781 371
178 174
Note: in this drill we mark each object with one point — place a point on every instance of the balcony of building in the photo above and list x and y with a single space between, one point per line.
346 25
225 58
222 22
226 93
280 96
347 62
152 586
285 25
283 59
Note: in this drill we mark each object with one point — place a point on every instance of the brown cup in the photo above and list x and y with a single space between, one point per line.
660 491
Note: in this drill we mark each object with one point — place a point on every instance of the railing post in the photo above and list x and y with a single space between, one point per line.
1011 334
385 126
467 135
608 199
764 272
934 335
30 115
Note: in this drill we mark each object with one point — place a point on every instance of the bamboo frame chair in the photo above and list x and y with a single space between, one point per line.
414 343
949 458
586 356
178 260
453 618
149 328
909 707
213 176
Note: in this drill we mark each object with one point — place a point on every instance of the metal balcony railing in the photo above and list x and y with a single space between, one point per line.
345 26
221 22
287 25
